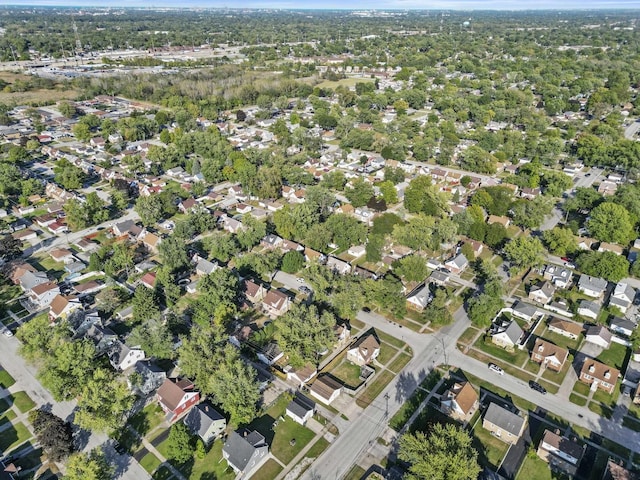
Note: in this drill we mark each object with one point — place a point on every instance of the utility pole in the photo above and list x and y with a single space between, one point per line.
386 410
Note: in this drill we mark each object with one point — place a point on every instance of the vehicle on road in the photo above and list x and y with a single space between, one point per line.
300 280
496 368
366 309
305 289
7 333
537 387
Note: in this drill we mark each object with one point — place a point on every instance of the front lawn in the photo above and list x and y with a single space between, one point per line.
147 419
399 363
150 462
581 388
6 380
211 466
290 437
374 389
163 473
386 353
468 335
534 468
614 356
412 403
268 471
517 357
23 402
13 436
577 399
317 448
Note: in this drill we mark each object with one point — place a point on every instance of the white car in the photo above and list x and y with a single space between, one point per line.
496 368
7 333
300 280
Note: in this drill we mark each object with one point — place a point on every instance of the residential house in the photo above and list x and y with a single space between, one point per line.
231 225
270 353
507 336
622 326
186 206
271 241
610 247
503 424
205 267
313 255
592 286
460 401
607 188
325 389
420 298
525 311
275 303
149 280
561 307
589 309
364 351
504 221
62 255
80 321
566 328
302 375
598 335
301 408
357 251
622 297
123 357
206 422
549 355
599 375
342 333
542 293
253 292
43 294
289 246
245 451
176 397
338 266
151 241
439 278
62 306
618 472
559 276
562 454
124 228
585 243
148 378
457 264
27 276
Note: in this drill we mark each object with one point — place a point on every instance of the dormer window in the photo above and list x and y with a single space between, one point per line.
607 375
592 368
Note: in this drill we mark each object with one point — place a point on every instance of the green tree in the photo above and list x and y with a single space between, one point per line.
446 453
145 304
218 294
610 222
179 443
524 252
345 230
373 248
383 224
221 245
82 132
303 333
103 403
560 241
531 213
252 233
413 268
173 253
360 192
292 262
150 209
154 337
10 248
89 466
68 175
388 192
54 435
416 233
607 265
421 196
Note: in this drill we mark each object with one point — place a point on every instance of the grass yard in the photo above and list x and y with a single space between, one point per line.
600 409
577 399
6 380
491 450
508 367
163 473
268 471
23 402
396 342
356 473
605 398
562 341
4 405
558 377
534 468
345 82
13 436
378 384
581 388
317 448
468 335
211 466
348 373
147 419
386 353
518 357
398 364
29 460
150 462
287 432
412 403
614 356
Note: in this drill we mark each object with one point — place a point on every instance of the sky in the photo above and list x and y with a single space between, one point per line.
346 4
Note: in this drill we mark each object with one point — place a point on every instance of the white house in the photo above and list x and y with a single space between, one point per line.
123 357
599 336
301 408
420 298
622 297
592 286
364 351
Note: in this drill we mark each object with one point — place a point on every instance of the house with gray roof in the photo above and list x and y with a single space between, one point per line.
589 309
206 422
503 424
301 408
507 336
245 451
457 264
338 266
592 286
622 326
102 338
205 267
599 335
622 297
542 293
558 276
122 356
149 377
420 298
525 311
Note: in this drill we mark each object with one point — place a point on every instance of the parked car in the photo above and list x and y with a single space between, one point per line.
496 368
7 333
305 289
300 280
537 387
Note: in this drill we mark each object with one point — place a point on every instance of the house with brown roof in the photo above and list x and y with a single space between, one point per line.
253 292
562 454
43 294
61 307
460 401
62 255
176 397
566 328
364 351
151 241
275 303
504 221
599 375
325 389
149 280
549 355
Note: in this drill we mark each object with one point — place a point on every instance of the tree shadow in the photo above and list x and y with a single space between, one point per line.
406 385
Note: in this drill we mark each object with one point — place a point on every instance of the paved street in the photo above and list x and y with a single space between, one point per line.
364 430
25 376
631 131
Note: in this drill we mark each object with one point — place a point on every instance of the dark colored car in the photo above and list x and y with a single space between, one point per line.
366 309
537 387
